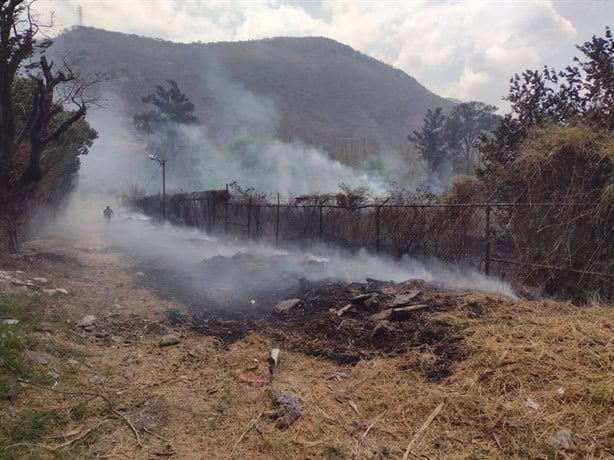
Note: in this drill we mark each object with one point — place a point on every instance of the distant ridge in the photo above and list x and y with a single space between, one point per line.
325 92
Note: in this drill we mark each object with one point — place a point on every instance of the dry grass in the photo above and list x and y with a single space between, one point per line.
556 354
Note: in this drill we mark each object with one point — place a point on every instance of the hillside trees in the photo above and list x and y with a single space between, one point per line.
430 142
164 125
448 144
42 127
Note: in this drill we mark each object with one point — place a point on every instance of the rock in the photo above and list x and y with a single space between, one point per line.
531 404
40 279
169 340
139 274
54 375
10 322
38 357
286 305
87 321
50 292
61 291
563 438
286 410
95 379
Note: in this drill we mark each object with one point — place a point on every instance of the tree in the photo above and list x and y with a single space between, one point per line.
33 120
463 128
430 141
163 125
584 93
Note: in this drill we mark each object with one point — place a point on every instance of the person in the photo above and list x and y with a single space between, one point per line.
108 214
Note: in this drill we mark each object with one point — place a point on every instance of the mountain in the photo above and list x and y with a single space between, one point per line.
314 89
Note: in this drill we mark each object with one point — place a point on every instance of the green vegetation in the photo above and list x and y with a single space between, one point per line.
13 340
26 427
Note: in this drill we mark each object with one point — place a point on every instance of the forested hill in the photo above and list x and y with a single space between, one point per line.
324 92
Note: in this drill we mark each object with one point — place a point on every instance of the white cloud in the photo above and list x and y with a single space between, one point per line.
466 50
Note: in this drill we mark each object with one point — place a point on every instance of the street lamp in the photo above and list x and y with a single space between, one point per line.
163 164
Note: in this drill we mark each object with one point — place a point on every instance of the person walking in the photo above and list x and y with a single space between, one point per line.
108 214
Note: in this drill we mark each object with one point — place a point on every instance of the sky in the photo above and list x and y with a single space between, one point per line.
466 50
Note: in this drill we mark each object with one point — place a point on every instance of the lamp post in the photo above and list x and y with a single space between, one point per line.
163 164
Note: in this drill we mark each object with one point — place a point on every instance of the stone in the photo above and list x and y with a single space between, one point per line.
563 438
286 305
87 321
38 357
95 379
10 322
169 340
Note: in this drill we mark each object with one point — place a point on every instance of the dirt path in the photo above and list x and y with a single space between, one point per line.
202 399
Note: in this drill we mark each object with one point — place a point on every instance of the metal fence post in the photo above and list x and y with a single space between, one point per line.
249 217
487 248
377 228
277 222
321 224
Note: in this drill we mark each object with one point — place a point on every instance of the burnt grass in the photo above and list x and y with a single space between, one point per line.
222 309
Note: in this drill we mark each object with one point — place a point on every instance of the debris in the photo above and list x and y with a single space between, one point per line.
252 302
560 391
255 381
286 410
342 310
61 291
73 362
10 322
421 430
531 404
141 274
40 279
563 438
354 407
54 375
87 321
287 305
50 292
360 298
401 300
273 359
398 314
169 340
338 376
39 357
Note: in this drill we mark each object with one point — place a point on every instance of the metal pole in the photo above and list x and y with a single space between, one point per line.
249 217
487 249
321 224
163 190
377 229
226 211
277 222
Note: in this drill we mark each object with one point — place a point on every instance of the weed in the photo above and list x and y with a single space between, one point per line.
26 427
334 451
174 316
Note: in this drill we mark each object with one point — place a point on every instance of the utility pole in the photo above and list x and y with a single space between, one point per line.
163 164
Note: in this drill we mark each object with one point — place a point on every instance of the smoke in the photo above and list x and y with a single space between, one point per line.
252 270
239 146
